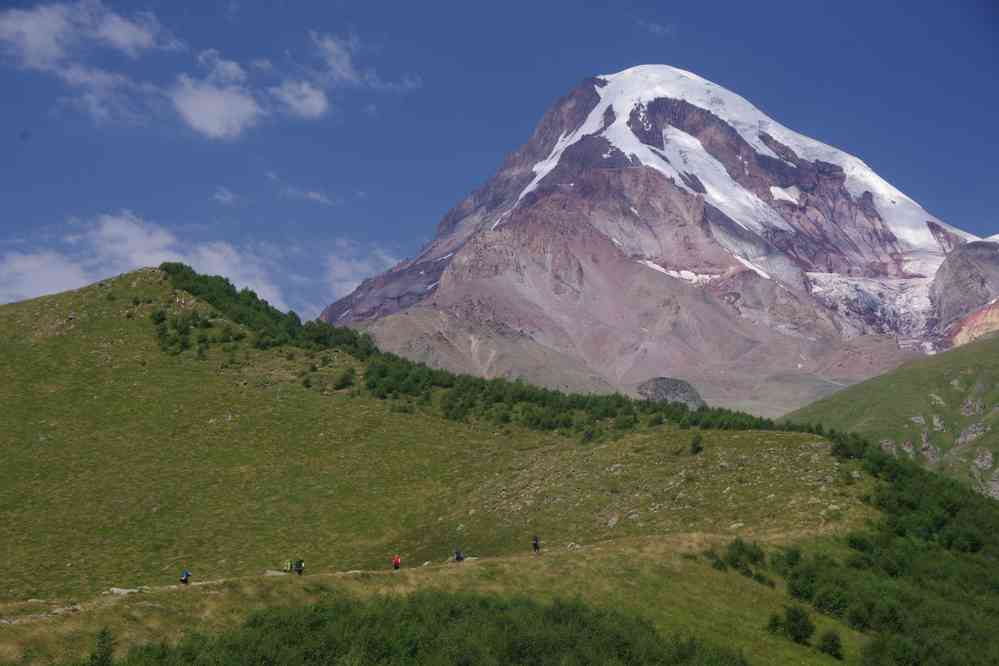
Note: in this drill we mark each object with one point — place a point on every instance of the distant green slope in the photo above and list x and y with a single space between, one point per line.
942 410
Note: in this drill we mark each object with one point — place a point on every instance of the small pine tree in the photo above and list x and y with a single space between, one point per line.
830 644
103 654
775 625
696 444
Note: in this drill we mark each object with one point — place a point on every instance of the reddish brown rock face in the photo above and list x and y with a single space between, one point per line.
675 233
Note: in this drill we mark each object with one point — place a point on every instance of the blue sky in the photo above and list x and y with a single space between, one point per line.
299 147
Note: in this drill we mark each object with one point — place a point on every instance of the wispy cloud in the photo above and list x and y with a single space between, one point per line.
54 38
339 66
225 196
350 263
655 28
221 101
47 37
303 194
118 242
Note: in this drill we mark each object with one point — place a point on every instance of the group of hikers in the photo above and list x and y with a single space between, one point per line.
298 566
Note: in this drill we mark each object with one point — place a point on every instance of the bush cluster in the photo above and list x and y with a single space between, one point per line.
438 628
924 580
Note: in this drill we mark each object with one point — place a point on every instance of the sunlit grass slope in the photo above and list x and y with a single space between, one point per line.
942 410
123 464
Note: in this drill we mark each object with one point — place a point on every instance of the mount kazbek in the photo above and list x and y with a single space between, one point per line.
657 224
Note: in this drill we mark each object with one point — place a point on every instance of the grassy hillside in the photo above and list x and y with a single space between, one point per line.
941 410
657 578
145 429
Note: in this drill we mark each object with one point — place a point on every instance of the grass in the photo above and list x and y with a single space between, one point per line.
942 396
651 577
123 464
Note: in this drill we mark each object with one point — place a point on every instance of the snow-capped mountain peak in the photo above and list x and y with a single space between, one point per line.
632 89
656 223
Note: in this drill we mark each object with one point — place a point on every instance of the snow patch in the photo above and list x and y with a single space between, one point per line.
741 205
753 267
653 265
446 256
345 313
685 275
432 285
502 217
786 194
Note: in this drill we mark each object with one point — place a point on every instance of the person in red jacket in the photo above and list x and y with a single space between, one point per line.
396 562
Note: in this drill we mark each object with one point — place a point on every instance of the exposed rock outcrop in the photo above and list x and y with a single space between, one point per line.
667 389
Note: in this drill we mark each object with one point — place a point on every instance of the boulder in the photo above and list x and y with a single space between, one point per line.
668 389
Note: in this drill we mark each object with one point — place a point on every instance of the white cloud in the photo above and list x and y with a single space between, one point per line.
39 38
301 98
53 38
24 276
338 56
224 196
318 197
351 263
121 242
217 111
221 70
46 36
221 103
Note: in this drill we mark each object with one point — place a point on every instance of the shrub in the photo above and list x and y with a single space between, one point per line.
345 379
696 444
832 599
103 654
739 554
158 316
776 624
797 624
830 644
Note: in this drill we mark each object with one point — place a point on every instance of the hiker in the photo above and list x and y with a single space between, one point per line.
536 544
396 562
458 557
185 576
298 566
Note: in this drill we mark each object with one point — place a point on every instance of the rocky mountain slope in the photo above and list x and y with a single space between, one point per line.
942 410
657 224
